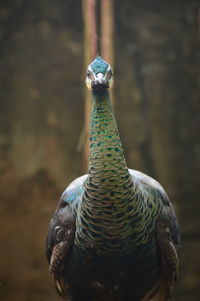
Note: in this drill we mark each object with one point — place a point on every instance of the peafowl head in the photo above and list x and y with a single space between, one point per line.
99 75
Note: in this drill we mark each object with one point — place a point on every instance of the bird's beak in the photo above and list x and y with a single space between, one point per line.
100 78
99 81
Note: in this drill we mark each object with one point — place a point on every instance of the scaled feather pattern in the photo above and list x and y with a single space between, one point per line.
114 234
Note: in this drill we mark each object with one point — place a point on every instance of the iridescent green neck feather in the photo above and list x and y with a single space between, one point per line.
109 186
107 165
112 214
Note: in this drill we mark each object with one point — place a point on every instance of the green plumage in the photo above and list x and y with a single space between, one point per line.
99 65
114 231
114 218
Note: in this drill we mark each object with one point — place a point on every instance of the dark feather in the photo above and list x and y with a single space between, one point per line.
114 234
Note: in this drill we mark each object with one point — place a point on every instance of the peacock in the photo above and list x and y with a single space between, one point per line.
114 234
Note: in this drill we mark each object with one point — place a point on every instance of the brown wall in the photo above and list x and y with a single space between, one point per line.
41 117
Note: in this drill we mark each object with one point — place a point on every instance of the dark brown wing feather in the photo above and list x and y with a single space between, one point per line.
59 244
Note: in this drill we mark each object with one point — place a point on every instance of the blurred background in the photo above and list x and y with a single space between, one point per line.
42 114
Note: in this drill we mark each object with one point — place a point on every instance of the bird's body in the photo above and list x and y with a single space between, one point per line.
114 232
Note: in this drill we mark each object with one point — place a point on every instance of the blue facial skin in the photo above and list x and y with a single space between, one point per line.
99 66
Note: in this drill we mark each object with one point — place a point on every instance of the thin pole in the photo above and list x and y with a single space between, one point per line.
90 51
107 31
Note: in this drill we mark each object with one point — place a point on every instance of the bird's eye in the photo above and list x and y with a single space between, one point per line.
88 73
109 74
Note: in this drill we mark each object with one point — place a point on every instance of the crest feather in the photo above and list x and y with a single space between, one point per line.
99 65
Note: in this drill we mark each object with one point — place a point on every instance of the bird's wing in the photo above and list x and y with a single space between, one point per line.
61 232
159 192
167 235
64 215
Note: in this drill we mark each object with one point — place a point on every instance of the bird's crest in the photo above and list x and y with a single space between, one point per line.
99 65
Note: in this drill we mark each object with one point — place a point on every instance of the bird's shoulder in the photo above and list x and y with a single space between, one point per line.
158 195
152 187
72 195
150 184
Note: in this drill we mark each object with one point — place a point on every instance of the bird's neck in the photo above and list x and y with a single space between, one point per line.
107 165
109 188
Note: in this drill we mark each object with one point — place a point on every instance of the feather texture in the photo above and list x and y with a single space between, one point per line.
114 233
